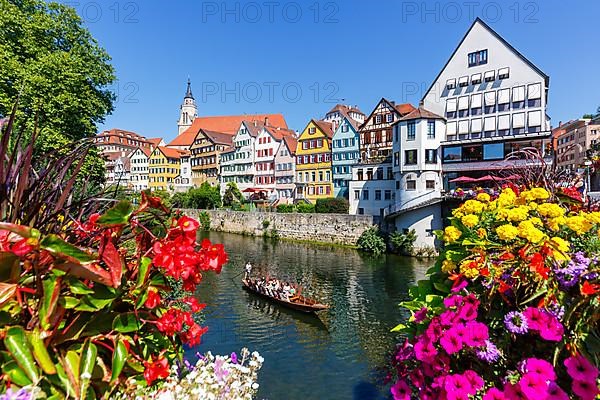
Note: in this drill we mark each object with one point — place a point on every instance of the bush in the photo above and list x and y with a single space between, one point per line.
179 200
403 243
232 196
306 208
332 205
204 219
510 309
371 241
286 208
266 223
204 197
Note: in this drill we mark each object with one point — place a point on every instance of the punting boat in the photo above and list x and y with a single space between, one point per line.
297 302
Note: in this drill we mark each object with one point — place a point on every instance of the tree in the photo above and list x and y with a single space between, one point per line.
51 62
232 195
206 196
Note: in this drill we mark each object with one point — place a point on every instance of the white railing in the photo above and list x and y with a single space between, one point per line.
414 202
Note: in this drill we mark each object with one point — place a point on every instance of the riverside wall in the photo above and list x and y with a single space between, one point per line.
325 228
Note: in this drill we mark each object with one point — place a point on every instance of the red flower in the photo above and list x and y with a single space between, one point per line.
194 304
193 335
589 289
188 224
507 256
156 369
153 299
170 322
537 265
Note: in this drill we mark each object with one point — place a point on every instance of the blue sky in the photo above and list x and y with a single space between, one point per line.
299 58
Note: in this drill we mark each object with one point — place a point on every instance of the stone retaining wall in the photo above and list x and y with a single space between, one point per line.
326 228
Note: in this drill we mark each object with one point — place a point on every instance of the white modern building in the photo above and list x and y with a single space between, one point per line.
494 100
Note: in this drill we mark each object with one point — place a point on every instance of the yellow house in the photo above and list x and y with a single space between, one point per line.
313 162
164 167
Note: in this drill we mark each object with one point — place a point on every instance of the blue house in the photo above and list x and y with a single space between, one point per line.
345 154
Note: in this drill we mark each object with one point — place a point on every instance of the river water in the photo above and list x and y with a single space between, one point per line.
338 354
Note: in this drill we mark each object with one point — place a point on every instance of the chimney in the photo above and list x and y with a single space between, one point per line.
266 121
255 123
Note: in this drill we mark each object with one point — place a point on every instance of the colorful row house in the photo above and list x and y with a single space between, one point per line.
285 170
164 167
267 144
313 162
206 150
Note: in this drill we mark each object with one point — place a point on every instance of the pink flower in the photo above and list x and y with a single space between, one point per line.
494 394
514 392
424 350
552 330
420 315
456 300
556 393
457 387
451 341
540 367
586 390
474 379
448 318
535 319
434 330
533 386
581 369
468 312
477 334
401 391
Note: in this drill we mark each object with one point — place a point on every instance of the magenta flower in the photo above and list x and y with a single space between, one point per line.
472 300
448 318
420 315
514 392
468 312
586 390
535 318
581 369
401 391
457 387
434 330
540 367
533 386
477 334
555 392
494 394
552 330
451 341
456 300
474 379
424 350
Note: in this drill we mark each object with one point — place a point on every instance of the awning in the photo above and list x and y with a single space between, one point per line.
463 179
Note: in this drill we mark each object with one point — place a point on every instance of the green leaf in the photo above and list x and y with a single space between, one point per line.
16 374
399 328
433 300
51 292
41 353
412 305
127 322
64 379
23 231
143 271
441 287
535 295
117 215
101 297
71 363
16 343
118 360
78 287
86 367
59 247
69 302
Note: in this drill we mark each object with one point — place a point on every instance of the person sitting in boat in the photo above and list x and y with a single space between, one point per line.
248 270
286 291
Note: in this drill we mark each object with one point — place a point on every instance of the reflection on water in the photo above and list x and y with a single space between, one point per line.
335 355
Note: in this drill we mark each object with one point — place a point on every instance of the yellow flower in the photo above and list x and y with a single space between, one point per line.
451 234
507 232
550 210
483 197
536 221
448 266
532 205
469 269
526 196
470 220
481 233
593 217
492 205
540 193
578 224
472 207
555 223
502 214
562 248
507 197
528 231
517 214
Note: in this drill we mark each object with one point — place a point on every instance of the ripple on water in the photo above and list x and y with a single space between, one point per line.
333 356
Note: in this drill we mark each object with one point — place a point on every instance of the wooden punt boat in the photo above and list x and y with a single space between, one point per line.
299 303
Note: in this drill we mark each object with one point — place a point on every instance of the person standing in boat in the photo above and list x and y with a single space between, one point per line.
248 271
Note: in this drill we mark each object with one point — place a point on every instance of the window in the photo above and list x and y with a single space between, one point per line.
411 130
411 184
463 81
410 157
429 184
451 108
345 128
378 119
534 95
431 129
389 118
312 130
452 154
503 73
357 195
478 58
361 211
365 195
493 151
396 158
378 195
390 173
475 79
388 195
430 156
450 84
489 76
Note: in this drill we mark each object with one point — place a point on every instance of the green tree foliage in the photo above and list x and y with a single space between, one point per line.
204 219
286 208
52 62
206 196
232 196
371 241
332 205
403 243
305 208
180 200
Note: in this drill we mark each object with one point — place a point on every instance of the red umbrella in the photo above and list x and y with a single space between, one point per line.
513 177
488 178
249 190
463 179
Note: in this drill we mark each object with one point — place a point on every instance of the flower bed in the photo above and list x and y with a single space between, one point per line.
510 309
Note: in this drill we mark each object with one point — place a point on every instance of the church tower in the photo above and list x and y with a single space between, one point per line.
188 110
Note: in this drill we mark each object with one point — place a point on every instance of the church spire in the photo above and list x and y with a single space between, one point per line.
188 93
188 110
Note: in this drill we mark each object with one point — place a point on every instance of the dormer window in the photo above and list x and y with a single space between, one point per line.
463 81
489 76
503 73
312 130
479 57
451 84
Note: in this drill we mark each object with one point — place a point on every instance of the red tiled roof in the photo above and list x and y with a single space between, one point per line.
344 109
291 143
404 108
226 124
219 137
326 127
121 132
279 134
155 141
172 153
419 113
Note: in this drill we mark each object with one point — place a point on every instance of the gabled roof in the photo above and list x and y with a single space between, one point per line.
155 141
325 127
501 39
291 142
171 153
278 134
225 124
144 150
400 109
344 109
253 127
420 113
218 137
